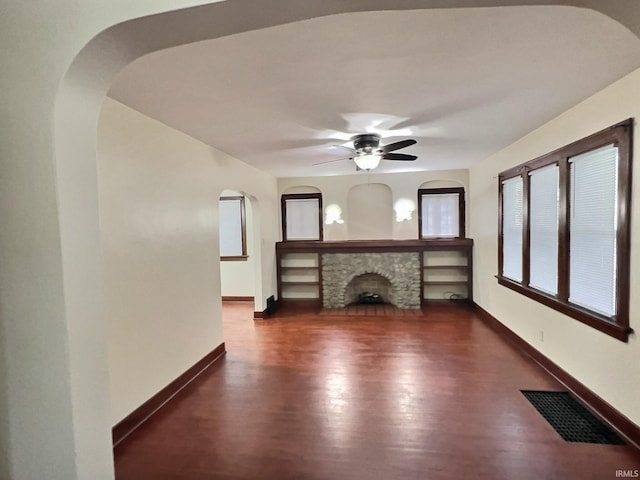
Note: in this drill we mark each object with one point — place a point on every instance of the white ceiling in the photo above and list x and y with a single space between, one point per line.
463 82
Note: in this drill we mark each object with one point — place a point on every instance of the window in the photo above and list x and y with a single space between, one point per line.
512 228
564 233
441 212
592 244
543 228
301 216
233 237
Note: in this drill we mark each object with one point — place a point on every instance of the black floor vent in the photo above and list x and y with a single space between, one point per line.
272 305
570 419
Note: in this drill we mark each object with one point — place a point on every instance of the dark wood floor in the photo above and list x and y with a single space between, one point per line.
329 397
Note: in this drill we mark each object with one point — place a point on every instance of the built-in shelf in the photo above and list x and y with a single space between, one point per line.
298 276
447 274
445 267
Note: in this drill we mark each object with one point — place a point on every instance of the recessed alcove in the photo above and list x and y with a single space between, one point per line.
370 212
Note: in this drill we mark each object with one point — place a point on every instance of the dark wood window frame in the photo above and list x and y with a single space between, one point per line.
441 191
621 135
243 257
299 196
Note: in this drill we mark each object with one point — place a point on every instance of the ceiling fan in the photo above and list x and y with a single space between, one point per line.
367 151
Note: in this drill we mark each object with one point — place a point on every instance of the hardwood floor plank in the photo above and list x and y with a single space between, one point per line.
337 396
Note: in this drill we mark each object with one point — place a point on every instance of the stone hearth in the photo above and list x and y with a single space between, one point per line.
402 270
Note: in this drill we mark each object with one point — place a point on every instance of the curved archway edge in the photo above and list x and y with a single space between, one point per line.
49 169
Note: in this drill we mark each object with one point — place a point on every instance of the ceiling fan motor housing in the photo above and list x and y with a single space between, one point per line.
366 143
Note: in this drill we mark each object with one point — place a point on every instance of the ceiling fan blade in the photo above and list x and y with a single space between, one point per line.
399 156
398 145
331 161
342 149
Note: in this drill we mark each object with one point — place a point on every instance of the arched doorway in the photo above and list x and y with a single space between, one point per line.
57 342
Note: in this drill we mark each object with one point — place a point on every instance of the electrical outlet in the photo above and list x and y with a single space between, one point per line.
541 335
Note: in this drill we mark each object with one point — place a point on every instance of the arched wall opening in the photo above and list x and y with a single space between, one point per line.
79 362
448 183
302 189
301 217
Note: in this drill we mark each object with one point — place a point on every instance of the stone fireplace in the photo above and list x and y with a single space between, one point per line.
396 273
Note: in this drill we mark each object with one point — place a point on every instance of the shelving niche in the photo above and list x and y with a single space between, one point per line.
299 276
447 274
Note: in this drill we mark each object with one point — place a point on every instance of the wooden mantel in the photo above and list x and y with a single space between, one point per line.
356 246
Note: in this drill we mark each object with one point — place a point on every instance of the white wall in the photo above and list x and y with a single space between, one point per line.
158 202
607 366
335 191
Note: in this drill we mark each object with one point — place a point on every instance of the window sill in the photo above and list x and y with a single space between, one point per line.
599 322
239 258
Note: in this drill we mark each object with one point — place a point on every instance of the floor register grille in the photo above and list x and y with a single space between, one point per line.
570 419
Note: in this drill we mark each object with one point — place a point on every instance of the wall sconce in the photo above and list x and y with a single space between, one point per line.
404 209
333 214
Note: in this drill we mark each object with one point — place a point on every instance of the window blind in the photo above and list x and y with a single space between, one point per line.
441 215
230 213
593 225
543 229
512 228
303 219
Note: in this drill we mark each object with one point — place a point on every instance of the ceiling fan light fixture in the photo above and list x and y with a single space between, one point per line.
368 161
